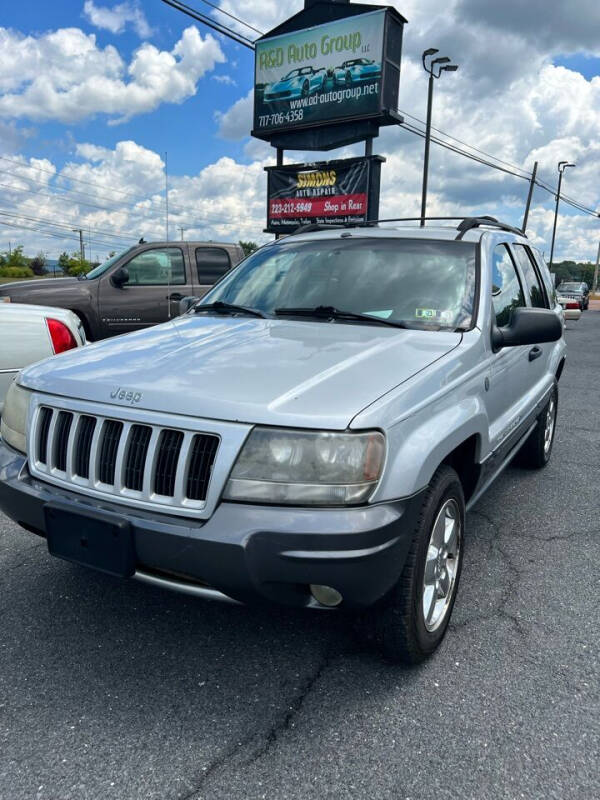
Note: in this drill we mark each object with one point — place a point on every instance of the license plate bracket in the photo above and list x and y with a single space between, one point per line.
97 539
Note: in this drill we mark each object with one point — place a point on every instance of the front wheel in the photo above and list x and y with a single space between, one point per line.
410 622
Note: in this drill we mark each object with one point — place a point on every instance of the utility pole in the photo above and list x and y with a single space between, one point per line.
167 193
431 69
529 196
562 165
81 245
595 284
181 228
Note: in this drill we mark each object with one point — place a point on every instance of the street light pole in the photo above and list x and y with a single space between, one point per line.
431 70
81 247
562 166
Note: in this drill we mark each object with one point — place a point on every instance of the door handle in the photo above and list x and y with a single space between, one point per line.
175 296
535 352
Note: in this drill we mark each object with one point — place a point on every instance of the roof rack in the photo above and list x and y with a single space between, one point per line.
465 224
475 222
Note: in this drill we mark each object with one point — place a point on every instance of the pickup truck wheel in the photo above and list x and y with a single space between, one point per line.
409 623
537 450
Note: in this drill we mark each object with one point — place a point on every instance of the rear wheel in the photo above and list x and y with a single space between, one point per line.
410 622
537 450
86 325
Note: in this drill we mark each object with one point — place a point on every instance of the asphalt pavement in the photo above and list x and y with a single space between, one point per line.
115 689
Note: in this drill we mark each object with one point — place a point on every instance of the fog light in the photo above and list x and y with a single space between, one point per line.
325 595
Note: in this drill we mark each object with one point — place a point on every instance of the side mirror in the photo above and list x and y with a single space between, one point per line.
186 303
528 326
120 277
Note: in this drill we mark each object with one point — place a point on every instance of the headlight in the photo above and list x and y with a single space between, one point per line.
13 426
307 468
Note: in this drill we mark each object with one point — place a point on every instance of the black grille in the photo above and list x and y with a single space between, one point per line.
61 440
203 451
42 439
83 445
108 450
169 445
136 456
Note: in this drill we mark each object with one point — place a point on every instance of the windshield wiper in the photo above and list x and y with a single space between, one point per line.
331 312
230 308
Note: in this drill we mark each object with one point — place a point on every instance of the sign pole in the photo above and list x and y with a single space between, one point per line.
279 163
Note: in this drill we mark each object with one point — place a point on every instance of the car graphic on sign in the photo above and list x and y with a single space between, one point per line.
357 70
298 83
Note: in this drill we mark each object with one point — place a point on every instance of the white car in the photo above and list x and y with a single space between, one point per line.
31 333
571 307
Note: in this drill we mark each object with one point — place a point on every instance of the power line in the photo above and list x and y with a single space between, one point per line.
73 197
465 144
211 23
231 16
65 177
52 234
45 220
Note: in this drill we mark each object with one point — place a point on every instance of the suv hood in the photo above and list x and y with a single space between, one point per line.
274 372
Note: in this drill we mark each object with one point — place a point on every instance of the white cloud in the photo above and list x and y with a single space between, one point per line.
226 79
236 122
117 195
65 76
117 18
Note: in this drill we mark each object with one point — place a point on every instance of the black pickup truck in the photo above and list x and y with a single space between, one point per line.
134 289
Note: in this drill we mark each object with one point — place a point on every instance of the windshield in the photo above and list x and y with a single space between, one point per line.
571 287
422 284
293 74
101 268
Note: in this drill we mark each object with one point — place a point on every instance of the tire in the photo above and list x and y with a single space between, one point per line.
537 450
348 80
305 89
86 325
397 624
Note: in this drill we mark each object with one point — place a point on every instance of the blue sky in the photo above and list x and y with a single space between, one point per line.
91 100
187 131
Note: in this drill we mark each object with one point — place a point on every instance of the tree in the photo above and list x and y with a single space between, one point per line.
16 258
63 261
248 247
38 264
75 265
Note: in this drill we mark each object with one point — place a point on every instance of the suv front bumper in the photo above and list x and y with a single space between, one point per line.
248 552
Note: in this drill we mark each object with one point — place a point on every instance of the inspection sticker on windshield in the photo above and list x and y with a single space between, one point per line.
426 313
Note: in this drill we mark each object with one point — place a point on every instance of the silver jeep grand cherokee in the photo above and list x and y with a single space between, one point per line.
309 434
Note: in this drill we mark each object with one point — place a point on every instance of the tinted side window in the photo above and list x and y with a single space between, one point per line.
547 277
212 264
159 267
533 284
506 286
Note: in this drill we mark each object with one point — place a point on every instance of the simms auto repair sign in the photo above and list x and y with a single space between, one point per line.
327 193
327 73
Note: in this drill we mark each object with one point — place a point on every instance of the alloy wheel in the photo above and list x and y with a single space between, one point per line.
441 565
